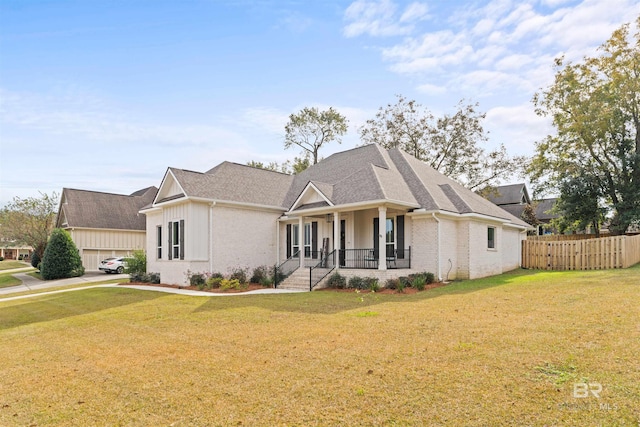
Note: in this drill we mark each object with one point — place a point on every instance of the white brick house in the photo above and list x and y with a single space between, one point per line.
329 216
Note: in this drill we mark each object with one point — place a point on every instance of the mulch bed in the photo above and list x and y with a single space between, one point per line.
254 286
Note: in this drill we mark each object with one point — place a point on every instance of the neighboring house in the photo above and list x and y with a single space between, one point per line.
543 209
356 201
10 250
104 225
512 198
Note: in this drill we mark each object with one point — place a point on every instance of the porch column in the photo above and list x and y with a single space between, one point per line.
301 241
382 241
336 239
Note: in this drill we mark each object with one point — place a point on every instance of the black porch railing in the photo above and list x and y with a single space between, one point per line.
322 269
368 258
284 270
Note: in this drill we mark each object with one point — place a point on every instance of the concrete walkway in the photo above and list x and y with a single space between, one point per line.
31 283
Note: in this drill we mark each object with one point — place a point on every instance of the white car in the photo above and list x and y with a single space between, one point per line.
113 265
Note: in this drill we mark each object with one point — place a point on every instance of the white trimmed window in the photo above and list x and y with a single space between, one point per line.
176 239
159 242
491 237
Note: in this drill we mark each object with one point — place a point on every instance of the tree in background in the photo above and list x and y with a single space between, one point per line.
29 221
528 215
580 204
289 167
595 106
61 257
450 144
311 128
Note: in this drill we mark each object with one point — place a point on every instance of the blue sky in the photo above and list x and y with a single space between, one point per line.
105 95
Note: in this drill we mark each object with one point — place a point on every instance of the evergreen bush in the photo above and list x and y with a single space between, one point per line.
61 259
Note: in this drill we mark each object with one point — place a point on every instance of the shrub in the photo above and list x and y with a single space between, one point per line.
266 282
214 282
337 281
429 277
356 283
419 282
239 274
35 260
227 284
136 263
401 285
61 259
405 281
154 278
198 280
374 285
1 258
392 283
20 257
259 274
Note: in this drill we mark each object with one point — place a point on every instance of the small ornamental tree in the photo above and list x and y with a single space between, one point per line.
61 258
136 265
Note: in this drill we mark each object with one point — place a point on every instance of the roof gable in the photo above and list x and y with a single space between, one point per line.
228 182
94 209
512 194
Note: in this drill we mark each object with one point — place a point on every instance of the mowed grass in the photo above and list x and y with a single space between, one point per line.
9 265
499 351
7 280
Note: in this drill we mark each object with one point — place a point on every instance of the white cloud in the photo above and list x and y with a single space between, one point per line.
517 127
415 12
431 89
380 18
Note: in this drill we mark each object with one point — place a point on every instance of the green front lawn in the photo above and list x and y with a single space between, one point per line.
7 280
9 265
508 350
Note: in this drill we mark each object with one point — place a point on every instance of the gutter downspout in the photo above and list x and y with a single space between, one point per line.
211 236
439 274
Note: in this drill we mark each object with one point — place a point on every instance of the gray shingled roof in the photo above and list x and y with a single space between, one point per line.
508 194
543 206
236 183
93 209
370 173
367 173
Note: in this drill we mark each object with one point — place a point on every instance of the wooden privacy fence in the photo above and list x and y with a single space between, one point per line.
588 254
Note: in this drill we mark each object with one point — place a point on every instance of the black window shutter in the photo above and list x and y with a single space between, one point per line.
288 241
170 233
314 239
182 239
376 238
400 236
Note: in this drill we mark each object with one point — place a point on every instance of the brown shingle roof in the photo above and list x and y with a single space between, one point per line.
93 209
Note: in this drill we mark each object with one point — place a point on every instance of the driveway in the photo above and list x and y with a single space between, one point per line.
30 283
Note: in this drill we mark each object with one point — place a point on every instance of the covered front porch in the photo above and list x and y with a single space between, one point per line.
346 239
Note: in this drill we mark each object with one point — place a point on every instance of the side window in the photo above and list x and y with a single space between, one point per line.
176 239
159 242
491 237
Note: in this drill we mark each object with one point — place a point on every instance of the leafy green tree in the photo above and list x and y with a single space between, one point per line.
579 204
595 107
289 167
449 144
61 257
311 128
29 221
